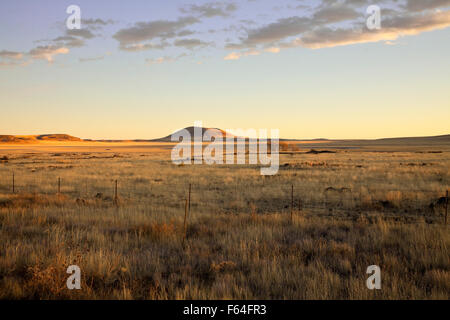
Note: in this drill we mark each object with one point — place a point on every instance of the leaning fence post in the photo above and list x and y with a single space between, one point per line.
446 206
292 203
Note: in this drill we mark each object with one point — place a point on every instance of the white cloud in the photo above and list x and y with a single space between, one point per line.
238 55
272 50
11 55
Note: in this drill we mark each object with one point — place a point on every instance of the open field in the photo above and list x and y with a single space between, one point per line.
363 205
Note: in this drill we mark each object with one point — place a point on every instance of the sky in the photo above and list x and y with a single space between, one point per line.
143 69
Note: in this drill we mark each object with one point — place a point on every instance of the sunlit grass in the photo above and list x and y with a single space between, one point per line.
358 209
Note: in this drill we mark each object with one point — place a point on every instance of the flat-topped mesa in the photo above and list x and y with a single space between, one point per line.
57 137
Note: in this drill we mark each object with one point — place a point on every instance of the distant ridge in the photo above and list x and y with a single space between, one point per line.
36 139
401 140
426 140
442 138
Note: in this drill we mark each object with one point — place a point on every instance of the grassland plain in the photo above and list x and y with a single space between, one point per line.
354 208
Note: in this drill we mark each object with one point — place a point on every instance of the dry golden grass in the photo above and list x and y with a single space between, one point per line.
359 208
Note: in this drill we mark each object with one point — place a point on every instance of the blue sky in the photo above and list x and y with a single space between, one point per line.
141 69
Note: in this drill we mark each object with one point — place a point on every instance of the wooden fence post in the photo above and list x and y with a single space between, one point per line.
13 183
185 219
59 184
189 201
187 212
115 192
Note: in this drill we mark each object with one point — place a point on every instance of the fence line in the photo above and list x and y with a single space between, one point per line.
331 200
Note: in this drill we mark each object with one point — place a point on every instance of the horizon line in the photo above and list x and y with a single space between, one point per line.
166 136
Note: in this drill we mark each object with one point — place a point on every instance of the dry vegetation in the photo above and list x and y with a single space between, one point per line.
358 208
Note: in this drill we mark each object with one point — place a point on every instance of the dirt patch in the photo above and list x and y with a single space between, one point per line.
414 164
340 190
314 151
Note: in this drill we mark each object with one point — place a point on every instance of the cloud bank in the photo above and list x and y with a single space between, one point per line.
239 32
